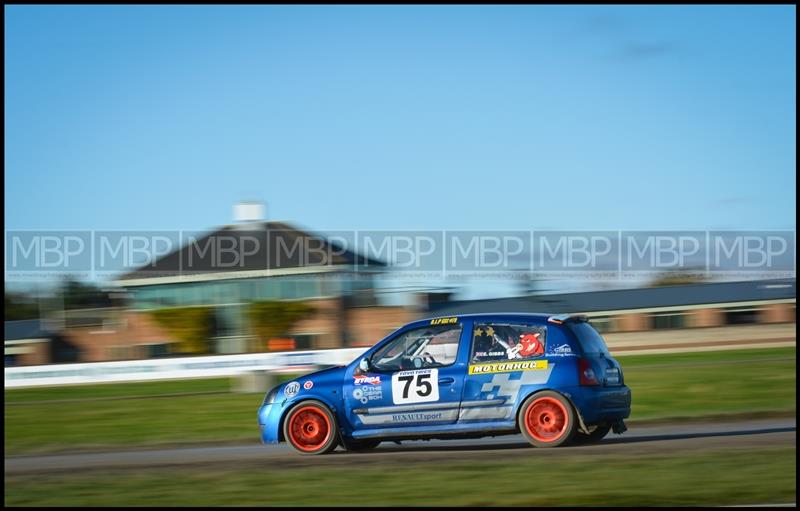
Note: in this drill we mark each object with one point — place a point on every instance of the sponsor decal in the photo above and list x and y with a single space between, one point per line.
507 367
291 389
499 392
418 386
444 321
367 394
490 353
531 346
401 417
564 349
488 331
366 380
417 417
307 385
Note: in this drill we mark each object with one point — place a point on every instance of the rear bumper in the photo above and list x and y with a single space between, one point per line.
602 404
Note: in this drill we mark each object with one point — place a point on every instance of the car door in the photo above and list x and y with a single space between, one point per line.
505 358
414 379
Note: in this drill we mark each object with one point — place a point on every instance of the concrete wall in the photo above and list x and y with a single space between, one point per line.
702 339
325 324
708 317
123 337
778 313
632 322
37 353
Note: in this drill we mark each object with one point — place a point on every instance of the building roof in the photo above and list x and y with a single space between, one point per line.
251 247
24 329
627 299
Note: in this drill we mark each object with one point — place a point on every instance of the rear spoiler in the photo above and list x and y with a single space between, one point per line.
563 318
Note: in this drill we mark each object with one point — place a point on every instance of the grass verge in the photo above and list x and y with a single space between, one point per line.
747 476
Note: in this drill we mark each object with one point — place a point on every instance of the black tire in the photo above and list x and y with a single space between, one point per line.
595 436
546 419
310 428
360 445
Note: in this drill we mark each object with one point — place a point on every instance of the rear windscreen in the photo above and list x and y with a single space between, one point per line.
591 341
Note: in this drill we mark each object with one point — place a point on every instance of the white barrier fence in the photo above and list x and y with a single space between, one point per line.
175 368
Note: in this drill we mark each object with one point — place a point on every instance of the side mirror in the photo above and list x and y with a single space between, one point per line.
363 365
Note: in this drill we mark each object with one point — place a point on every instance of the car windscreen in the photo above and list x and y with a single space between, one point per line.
591 341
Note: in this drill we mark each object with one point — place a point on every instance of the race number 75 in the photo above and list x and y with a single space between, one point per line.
415 386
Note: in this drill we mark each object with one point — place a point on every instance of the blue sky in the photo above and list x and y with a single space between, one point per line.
401 117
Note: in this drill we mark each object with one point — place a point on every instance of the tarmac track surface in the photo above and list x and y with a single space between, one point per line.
642 439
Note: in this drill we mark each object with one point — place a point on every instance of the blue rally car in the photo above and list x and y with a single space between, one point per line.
548 377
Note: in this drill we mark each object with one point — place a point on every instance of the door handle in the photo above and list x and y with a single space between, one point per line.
446 381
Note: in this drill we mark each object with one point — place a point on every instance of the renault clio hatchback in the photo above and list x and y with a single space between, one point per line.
548 377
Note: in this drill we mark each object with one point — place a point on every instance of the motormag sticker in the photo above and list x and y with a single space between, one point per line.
507 367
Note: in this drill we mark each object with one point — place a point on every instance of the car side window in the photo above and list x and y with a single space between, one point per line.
505 341
420 348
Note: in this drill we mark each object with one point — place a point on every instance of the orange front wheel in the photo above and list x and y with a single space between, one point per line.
310 428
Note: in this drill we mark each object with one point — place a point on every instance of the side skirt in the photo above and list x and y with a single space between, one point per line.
467 430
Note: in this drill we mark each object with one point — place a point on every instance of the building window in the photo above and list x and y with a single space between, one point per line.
667 320
268 289
329 286
187 294
304 341
742 315
145 298
157 350
288 289
248 290
227 293
307 288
